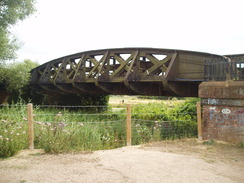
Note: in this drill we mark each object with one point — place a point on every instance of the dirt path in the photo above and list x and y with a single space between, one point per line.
158 162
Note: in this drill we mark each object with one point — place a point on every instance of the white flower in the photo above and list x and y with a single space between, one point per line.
59 114
7 138
24 132
81 124
137 125
17 133
62 124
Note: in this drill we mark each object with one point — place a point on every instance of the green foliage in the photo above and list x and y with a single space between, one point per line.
68 131
8 46
14 80
77 100
155 121
13 131
59 130
27 95
11 11
15 10
16 75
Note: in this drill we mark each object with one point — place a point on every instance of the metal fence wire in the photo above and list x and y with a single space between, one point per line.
91 131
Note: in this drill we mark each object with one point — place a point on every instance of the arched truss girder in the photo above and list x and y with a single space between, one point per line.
132 71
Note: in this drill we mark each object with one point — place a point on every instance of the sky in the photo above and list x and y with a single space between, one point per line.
64 27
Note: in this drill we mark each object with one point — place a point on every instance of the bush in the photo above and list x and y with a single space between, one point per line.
156 121
13 131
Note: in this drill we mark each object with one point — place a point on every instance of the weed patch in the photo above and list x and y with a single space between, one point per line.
60 130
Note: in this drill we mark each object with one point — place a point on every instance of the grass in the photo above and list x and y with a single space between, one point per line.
59 130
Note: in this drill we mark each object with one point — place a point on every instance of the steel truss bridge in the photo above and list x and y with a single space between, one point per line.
126 71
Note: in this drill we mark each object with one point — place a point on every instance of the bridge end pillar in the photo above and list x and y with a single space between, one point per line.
222 110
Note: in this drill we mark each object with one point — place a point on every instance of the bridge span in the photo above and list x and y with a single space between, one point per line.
125 71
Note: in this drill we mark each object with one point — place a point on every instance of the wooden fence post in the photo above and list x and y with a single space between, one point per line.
199 120
128 125
30 126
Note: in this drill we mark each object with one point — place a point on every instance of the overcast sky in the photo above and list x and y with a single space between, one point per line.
62 27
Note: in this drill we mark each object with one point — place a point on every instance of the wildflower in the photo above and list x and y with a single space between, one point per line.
25 119
1 137
137 125
24 132
6 131
62 124
48 124
11 132
81 124
4 121
7 139
17 133
59 114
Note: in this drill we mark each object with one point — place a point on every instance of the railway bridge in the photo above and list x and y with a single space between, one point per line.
218 80
132 71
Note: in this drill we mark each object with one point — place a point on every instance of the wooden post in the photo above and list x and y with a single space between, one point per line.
199 120
30 126
128 125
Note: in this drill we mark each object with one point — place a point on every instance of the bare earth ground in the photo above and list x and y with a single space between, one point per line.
169 161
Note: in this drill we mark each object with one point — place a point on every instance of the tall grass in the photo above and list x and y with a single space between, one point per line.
59 130
158 121
13 130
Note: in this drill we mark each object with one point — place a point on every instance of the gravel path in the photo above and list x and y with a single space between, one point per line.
135 164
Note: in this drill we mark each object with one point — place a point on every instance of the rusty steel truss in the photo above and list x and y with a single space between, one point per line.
124 71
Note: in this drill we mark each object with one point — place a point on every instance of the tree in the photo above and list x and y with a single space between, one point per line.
17 74
14 77
11 11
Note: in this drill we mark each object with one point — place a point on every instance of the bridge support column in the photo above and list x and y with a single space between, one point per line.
222 110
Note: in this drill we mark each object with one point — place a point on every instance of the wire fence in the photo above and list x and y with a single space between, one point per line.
60 129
